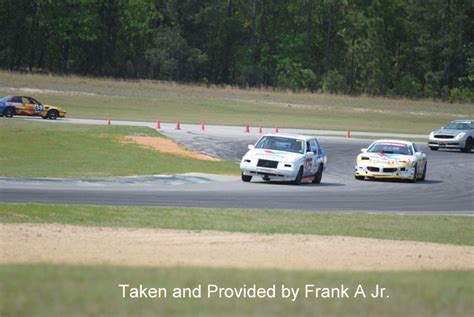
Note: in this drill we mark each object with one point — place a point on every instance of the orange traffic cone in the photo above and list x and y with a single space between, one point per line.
276 129
203 127
178 125
109 122
348 134
247 128
158 124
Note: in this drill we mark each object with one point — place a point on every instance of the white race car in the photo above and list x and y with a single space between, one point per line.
284 157
391 159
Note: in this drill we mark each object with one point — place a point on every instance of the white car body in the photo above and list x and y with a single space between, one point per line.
373 163
282 164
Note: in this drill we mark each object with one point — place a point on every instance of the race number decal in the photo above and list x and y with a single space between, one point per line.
39 108
308 164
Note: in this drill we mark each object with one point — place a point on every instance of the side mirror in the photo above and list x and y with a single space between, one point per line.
251 146
363 150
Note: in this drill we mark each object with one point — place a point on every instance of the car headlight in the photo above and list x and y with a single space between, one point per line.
403 161
431 135
460 135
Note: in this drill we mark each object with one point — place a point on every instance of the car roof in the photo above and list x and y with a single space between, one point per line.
393 141
465 120
291 136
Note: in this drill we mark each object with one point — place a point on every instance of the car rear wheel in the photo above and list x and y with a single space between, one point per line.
468 146
9 112
246 178
53 114
298 178
319 175
433 148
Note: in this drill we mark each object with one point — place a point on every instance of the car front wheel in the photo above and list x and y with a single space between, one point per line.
53 114
424 172
299 176
415 174
433 148
468 146
246 178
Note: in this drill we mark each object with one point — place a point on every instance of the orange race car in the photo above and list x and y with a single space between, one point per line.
27 106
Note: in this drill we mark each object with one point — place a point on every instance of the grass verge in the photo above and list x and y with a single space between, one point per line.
143 100
51 290
439 229
37 149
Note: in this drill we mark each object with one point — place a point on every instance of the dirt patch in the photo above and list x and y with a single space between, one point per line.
53 243
165 146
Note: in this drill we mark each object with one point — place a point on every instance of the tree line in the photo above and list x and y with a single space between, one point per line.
411 48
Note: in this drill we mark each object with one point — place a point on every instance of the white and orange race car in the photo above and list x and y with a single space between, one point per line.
391 159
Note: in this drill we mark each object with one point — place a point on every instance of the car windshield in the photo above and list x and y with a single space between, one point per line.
281 144
390 148
465 125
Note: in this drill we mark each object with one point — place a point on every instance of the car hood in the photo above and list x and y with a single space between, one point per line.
273 155
390 159
448 131
53 107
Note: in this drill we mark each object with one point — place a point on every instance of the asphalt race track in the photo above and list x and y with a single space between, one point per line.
448 189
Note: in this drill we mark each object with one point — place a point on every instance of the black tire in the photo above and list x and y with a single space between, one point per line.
415 175
298 178
9 112
246 178
360 178
319 175
433 148
53 114
468 146
45 117
424 172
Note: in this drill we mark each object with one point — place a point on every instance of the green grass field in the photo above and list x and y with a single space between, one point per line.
52 290
37 149
148 101
440 229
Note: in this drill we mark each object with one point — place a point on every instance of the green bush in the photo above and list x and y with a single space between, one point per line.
334 82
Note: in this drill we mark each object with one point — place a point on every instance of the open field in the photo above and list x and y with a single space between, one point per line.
52 290
45 150
147 101
439 229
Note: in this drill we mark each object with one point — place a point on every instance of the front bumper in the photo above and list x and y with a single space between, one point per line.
398 172
281 174
447 143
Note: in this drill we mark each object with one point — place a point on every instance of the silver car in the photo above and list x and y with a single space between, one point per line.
458 134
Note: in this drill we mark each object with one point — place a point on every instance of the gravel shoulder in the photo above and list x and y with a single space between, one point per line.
67 244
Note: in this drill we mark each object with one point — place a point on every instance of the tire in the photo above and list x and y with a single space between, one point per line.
415 175
44 117
359 178
298 178
319 175
424 172
53 114
433 148
246 178
9 112
468 146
